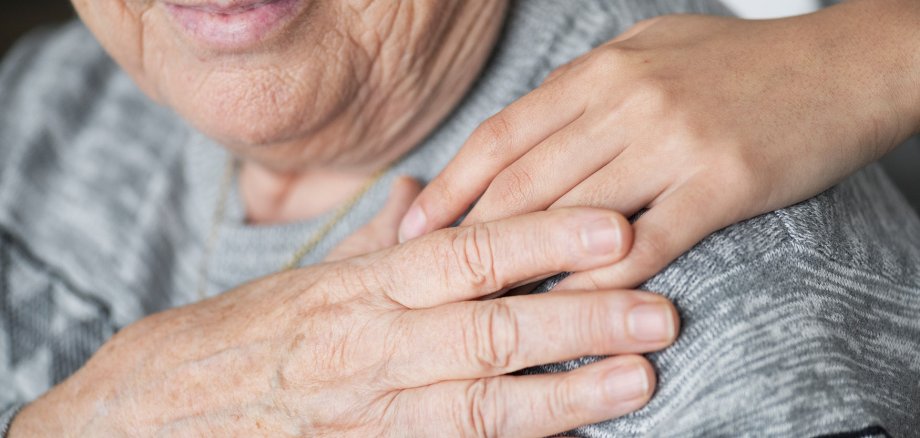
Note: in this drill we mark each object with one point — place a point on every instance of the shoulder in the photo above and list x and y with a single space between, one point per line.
798 322
555 32
790 318
863 224
50 327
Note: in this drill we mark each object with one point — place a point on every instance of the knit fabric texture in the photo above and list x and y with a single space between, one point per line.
804 322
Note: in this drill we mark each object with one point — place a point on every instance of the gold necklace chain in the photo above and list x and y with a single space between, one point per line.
302 251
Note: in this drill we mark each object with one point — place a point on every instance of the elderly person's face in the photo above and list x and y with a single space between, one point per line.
297 83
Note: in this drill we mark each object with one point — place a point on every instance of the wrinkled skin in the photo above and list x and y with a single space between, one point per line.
352 84
370 345
383 344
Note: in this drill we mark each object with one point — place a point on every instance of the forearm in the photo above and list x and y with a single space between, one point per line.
877 43
7 413
47 416
53 327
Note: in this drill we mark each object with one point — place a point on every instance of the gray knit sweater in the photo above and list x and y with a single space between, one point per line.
805 321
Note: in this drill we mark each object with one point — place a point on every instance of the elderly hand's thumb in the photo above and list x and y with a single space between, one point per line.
380 232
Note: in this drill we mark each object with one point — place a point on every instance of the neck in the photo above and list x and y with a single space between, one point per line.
401 103
273 198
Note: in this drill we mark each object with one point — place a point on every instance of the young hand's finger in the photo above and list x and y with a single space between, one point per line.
549 170
666 231
495 144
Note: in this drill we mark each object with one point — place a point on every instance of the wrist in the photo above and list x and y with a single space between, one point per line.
58 413
879 43
35 420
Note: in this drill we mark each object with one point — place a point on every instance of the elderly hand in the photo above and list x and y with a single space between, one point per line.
393 342
704 121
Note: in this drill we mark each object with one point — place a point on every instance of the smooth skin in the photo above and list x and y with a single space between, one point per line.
385 343
702 121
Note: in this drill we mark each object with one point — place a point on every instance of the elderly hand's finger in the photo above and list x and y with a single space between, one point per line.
380 232
495 144
488 338
463 263
667 230
536 405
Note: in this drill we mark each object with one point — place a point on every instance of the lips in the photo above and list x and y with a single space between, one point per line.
232 25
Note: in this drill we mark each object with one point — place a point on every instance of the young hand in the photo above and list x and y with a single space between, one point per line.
703 121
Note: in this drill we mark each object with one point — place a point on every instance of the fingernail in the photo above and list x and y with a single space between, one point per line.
627 382
413 224
651 322
601 236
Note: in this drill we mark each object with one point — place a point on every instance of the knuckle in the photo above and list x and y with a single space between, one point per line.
494 337
651 248
562 404
515 186
493 134
597 279
439 192
741 170
566 68
646 22
655 95
473 251
610 60
725 174
483 417
616 53
732 205
598 328
553 75
556 73
691 131
624 60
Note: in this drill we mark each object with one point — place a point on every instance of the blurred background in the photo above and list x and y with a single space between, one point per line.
903 165
20 16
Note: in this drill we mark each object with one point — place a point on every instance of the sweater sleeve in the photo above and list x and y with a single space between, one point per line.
10 404
48 327
53 315
6 417
801 322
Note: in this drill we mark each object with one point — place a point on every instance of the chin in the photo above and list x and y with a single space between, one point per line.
243 131
255 107
282 139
